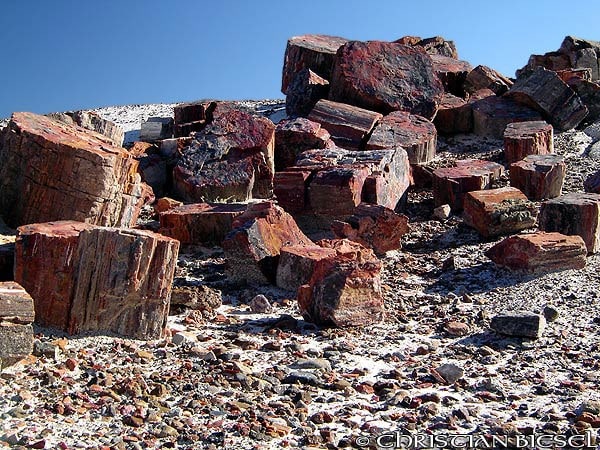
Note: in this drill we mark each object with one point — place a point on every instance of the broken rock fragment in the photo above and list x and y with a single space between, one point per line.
522 139
576 213
373 226
295 136
306 89
52 171
452 73
539 177
297 264
16 317
499 211
454 115
345 289
385 77
483 77
519 324
492 114
252 248
539 252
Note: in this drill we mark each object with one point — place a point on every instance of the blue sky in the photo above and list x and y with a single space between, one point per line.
74 54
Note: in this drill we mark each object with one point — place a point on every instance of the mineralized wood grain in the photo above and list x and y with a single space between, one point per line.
52 171
522 139
348 125
539 177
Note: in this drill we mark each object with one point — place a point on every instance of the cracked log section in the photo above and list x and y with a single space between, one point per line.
53 171
90 278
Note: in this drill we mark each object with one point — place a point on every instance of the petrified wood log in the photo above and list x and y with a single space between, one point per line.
544 91
454 115
450 184
310 51
522 139
295 136
576 213
499 211
452 73
305 90
483 77
200 223
539 176
348 125
16 317
90 278
386 77
413 133
539 252
297 264
492 114
52 171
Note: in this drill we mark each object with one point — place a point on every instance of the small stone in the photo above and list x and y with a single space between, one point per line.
451 373
260 305
71 364
302 377
454 328
519 324
550 313
442 212
166 431
184 337
133 421
316 363
45 349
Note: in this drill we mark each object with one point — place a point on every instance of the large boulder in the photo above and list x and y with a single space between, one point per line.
385 77
295 136
53 171
305 90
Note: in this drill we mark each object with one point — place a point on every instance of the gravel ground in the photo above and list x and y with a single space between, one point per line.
246 380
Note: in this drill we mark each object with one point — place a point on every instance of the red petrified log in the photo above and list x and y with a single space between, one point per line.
576 213
499 211
291 190
539 252
539 176
252 248
415 134
348 125
53 171
89 278
295 136
297 264
373 226
522 139
200 223
482 77
344 289
451 183
310 51
452 73
544 91
385 77
436 45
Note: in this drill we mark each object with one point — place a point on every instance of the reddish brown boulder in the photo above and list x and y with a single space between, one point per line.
522 139
297 264
53 171
200 223
494 212
373 226
400 129
589 93
450 184
252 248
348 125
384 77
192 112
231 159
88 278
575 213
492 114
295 136
344 184
552 61
544 91
165 203
539 176
575 74
483 77
310 51
452 73
16 317
345 289
592 183
582 53
454 116
539 252
305 90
